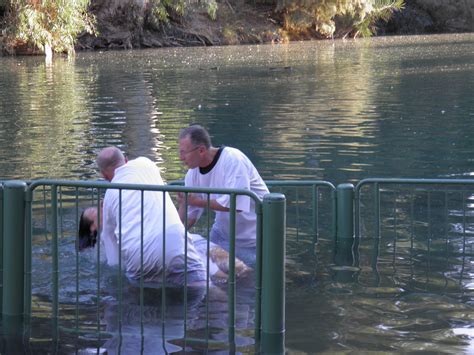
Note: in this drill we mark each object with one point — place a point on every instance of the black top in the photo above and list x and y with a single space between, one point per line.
208 168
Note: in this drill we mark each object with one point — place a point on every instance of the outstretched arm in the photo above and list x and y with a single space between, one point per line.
195 200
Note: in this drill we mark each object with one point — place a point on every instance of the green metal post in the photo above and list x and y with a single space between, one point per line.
1 247
334 214
13 247
28 254
345 211
273 275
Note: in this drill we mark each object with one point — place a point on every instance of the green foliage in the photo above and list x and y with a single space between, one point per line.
212 9
336 17
382 10
160 8
163 10
48 23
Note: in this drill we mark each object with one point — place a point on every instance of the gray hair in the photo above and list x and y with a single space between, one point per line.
197 134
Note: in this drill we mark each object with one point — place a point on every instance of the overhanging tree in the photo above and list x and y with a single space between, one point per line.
49 25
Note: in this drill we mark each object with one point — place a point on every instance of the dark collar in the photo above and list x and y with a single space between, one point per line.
208 168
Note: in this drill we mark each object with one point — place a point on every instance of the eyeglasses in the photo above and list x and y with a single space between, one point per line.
182 152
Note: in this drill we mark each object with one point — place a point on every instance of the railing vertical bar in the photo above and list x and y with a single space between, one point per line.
446 216
1 248
163 279
412 230
430 231
61 231
297 214
315 194
76 314
99 212
412 224
231 282
428 201
185 290
208 246
395 227
258 277
45 214
378 233
461 274
185 238
377 236
429 235
55 260
120 277
463 223
357 213
142 214
334 213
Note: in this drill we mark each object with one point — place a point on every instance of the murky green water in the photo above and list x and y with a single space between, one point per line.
340 111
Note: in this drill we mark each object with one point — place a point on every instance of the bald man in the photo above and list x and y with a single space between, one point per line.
125 238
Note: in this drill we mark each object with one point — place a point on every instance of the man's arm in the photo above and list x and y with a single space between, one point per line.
182 211
195 200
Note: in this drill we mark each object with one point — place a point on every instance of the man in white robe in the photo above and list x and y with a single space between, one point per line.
132 235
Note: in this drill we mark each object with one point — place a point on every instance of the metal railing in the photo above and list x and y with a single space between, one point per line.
410 205
309 201
399 210
60 201
311 207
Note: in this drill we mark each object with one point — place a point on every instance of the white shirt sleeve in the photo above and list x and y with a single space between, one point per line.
107 237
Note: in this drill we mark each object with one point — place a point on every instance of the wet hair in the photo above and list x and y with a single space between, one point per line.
86 238
197 134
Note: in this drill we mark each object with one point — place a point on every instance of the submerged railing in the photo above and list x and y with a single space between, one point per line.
395 210
60 198
426 201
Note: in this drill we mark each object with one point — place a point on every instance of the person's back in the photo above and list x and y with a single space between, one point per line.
133 217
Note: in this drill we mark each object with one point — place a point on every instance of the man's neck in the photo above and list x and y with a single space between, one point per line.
211 153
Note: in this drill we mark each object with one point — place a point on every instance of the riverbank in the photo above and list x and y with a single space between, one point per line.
243 24
240 22
123 24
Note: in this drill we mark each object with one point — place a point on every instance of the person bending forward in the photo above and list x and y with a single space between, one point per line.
133 223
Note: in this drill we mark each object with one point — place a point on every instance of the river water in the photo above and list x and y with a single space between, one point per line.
339 111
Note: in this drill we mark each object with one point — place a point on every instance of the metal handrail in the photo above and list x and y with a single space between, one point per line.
56 186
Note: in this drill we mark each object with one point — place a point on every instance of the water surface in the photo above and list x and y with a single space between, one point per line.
339 111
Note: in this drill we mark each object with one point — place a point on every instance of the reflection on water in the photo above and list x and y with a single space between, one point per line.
334 110
340 111
152 323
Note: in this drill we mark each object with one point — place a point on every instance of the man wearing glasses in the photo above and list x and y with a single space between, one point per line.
220 167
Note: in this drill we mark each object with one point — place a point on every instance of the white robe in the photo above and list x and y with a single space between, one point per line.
144 171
